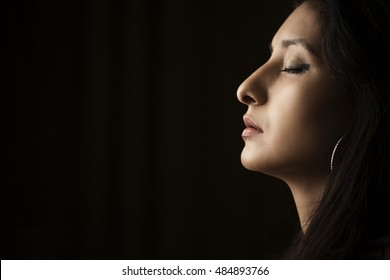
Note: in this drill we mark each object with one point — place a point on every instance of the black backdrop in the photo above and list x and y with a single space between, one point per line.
121 132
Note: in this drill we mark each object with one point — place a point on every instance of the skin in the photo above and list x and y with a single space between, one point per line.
302 112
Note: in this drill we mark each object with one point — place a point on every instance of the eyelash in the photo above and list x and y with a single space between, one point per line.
296 69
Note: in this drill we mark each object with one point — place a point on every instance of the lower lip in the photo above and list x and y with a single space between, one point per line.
250 131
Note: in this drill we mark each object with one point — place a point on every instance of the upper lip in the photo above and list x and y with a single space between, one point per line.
250 123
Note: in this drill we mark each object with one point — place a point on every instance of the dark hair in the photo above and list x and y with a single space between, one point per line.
354 210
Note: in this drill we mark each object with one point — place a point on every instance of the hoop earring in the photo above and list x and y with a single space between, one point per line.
334 151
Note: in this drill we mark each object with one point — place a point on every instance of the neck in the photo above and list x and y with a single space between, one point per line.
307 194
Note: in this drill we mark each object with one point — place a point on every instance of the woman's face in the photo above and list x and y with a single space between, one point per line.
296 110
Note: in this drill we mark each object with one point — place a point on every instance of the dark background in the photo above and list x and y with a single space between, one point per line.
121 132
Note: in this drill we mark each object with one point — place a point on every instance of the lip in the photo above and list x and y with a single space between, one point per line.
251 127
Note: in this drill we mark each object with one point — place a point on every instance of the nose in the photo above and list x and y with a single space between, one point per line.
253 91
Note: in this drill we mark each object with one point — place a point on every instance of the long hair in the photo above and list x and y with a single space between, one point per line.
355 207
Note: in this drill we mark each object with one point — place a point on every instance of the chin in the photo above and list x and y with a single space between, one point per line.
250 161
255 162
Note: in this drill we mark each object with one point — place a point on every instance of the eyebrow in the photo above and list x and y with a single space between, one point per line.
297 42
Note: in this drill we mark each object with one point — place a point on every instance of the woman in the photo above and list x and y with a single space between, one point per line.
319 118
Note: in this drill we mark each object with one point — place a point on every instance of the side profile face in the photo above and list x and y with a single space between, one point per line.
296 110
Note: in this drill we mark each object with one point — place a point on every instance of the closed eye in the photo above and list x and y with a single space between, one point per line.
296 69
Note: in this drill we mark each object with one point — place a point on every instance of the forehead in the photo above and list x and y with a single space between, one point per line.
301 24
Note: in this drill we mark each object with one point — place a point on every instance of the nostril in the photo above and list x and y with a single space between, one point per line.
248 100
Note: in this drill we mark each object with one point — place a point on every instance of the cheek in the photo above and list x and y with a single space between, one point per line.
303 124
297 133
292 136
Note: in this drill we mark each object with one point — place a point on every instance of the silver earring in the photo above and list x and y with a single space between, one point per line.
334 151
